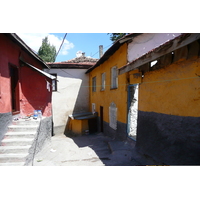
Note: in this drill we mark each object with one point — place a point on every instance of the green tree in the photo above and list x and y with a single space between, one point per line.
116 36
47 52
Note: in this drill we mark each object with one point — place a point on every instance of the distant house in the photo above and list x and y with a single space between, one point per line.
168 78
24 86
71 90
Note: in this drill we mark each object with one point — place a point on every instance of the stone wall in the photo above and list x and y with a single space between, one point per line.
119 134
43 135
5 120
170 139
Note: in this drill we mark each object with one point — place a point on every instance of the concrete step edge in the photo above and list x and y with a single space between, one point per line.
12 164
16 133
20 133
22 126
14 155
15 147
17 139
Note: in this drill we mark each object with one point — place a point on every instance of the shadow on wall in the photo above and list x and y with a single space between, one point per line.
35 92
81 106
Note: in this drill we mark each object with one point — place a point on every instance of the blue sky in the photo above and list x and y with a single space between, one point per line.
74 42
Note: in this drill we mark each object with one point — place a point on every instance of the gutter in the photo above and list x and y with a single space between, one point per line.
39 71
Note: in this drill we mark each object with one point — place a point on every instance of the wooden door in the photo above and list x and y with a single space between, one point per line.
14 82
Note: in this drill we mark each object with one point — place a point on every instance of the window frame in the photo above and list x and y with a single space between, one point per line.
54 83
114 78
103 81
94 81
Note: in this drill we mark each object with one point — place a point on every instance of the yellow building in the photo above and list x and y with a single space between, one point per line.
108 91
168 121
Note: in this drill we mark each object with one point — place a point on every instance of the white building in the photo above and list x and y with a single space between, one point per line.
71 90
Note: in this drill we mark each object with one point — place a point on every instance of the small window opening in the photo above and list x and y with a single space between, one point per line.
153 63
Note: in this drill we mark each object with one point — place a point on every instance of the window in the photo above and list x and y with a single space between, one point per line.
94 84
114 78
54 83
93 108
103 81
113 116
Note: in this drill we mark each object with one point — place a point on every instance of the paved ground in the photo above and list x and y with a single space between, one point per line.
89 150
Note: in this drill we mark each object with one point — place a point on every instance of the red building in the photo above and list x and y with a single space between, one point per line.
24 86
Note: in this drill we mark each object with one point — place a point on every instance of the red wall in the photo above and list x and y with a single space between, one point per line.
33 93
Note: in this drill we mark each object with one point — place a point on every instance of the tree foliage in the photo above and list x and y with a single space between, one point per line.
116 36
47 52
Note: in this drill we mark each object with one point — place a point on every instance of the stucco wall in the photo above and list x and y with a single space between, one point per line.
72 96
146 42
117 96
33 93
168 118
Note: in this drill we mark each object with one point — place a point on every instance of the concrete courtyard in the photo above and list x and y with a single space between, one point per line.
89 150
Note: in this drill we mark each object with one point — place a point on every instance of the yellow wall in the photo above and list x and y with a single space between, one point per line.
79 126
119 95
173 90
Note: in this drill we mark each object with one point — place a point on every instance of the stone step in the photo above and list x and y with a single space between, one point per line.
20 134
14 149
14 157
16 141
22 128
26 122
12 164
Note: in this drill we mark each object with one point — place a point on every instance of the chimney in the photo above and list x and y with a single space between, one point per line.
100 51
83 54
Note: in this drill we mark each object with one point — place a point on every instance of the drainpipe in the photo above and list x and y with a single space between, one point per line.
100 51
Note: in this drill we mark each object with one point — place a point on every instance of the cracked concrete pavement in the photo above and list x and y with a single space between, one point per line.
89 150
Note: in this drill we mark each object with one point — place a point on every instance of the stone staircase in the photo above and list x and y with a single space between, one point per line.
14 148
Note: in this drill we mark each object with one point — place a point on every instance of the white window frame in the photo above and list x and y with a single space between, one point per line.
103 81
114 77
93 107
94 80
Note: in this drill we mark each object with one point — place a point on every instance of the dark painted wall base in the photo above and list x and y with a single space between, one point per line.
172 140
5 120
119 134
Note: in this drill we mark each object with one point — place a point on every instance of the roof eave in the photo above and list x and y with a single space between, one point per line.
113 49
169 46
27 48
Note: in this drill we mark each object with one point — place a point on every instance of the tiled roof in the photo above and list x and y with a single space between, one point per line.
82 59
81 62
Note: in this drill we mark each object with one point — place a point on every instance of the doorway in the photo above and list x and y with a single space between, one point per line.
101 119
132 111
14 82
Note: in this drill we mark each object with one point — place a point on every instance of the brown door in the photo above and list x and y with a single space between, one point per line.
101 119
14 79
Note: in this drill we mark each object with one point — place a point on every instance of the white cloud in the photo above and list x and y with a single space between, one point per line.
34 41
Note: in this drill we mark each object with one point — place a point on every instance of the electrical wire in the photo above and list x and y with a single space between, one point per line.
61 45
99 86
